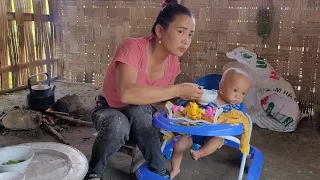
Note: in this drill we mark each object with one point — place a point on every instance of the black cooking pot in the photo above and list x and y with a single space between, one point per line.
41 96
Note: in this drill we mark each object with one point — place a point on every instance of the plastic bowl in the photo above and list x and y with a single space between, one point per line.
207 97
15 153
12 176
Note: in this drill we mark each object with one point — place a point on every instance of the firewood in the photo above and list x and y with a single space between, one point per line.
57 112
71 119
58 135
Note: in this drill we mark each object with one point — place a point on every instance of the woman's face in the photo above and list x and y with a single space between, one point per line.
176 39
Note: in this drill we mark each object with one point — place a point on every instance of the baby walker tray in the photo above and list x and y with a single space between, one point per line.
174 120
162 121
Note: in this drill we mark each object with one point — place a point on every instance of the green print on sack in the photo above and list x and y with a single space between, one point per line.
261 63
286 122
270 108
247 56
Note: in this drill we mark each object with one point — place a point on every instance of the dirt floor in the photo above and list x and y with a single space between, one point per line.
288 156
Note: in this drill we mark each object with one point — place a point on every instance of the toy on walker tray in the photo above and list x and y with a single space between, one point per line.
193 111
192 115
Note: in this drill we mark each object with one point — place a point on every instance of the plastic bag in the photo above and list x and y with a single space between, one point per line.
271 101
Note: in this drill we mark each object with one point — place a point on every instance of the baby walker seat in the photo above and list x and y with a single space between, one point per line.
225 131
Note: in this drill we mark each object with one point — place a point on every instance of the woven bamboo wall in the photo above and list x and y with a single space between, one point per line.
26 42
90 30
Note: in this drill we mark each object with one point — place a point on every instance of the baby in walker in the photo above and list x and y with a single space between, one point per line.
233 87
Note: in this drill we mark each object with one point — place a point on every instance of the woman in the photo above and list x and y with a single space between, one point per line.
142 72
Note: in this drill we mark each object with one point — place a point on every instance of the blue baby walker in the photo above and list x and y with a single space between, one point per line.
224 131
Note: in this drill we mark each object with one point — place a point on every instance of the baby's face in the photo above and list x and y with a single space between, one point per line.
235 88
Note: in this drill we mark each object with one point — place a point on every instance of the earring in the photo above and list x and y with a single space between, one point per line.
159 42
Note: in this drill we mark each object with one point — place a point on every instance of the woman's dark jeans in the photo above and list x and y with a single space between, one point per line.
114 127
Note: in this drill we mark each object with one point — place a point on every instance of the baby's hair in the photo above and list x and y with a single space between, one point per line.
234 71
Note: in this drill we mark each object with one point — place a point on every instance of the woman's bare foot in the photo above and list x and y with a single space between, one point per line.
195 154
174 173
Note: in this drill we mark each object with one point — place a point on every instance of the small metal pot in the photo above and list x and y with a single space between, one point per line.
41 96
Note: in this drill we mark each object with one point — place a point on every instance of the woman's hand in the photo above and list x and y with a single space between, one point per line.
189 91
132 93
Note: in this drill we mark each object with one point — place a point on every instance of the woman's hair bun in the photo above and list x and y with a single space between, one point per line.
172 1
170 9
167 2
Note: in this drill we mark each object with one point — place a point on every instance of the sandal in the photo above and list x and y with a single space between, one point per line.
90 176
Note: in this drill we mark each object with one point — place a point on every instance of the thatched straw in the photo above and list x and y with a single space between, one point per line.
4 83
27 37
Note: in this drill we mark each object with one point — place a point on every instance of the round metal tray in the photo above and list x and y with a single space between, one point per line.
54 161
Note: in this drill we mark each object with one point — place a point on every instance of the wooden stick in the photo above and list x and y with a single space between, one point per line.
57 112
58 135
71 119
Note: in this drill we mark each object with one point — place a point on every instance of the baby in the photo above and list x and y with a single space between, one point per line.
233 86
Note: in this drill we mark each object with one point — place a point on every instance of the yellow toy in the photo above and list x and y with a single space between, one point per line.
236 117
192 111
